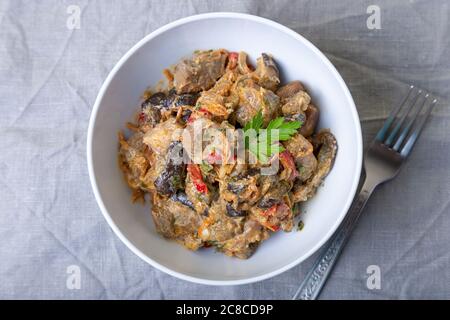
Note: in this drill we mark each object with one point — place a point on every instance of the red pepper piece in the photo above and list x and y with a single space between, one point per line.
205 112
202 111
197 179
271 211
287 161
142 118
232 60
191 118
275 209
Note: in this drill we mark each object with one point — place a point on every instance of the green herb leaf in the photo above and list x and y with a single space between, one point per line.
268 139
256 123
205 167
276 123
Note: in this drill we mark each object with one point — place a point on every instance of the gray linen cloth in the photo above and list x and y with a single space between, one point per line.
50 74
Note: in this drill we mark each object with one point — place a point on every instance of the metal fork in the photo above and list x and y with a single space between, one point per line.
382 162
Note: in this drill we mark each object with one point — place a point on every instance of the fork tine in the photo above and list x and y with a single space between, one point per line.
393 134
406 130
415 134
387 124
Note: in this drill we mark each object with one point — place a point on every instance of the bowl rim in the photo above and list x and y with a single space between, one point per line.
206 16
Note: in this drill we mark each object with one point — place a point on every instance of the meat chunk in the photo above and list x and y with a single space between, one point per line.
217 101
224 84
134 161
278 216
234 236
214 104
158 138
302 152
200 72
267 72
242 63
218 226
252 100
244 244
274 195
326 147
176 221
296 104
312 117
289 89
242 190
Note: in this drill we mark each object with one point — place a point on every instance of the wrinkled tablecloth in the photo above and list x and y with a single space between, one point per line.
51 71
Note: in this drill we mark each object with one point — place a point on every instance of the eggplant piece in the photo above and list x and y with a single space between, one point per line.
238 183
185 115
297 117
172 177
235 187
150 115
181 197
160 100
274 195
185 99
151 108
267 202
155 100
234 213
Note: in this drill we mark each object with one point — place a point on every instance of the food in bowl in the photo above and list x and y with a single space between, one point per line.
207 150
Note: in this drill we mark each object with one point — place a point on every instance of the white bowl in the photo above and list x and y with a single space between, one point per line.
119 99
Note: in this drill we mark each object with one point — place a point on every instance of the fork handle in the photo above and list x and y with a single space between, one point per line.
318 275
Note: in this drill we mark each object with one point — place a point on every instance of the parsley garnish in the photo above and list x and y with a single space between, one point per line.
267 140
